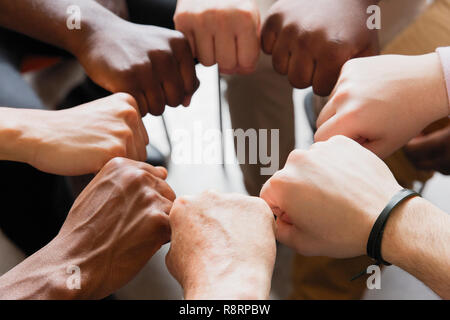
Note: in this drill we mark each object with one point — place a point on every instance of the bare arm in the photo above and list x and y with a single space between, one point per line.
416 239
46 20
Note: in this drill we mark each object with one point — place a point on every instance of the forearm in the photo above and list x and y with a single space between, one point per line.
46 20
416 239
41 276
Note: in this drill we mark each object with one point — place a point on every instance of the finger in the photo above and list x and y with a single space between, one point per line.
427 147
139 124
152 91
143 107
225 50
287 234
270 32
248 48
204 48
164 189
282 52
159 172
190 37
328 111
168 72
337 125
159 203
325 77
185 59
300 69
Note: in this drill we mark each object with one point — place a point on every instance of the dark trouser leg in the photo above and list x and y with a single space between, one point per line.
33 205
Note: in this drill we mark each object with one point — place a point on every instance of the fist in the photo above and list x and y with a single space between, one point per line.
81 140
310 40
223 32
328 198
383 102
223 246
154 65
117 223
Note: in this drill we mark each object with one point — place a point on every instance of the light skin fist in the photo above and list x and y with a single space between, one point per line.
114 227
222 32
222 247
382 102
311 40
154 65
328 198
82 139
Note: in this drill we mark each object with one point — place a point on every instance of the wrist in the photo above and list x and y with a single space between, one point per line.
15 141
96 19
243 284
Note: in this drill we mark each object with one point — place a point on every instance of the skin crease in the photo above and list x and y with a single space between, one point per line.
431 152
317 37
74 141
383 102
153 64
115 226
357 185
223 32
219 241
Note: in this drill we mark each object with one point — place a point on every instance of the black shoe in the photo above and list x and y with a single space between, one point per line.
89 91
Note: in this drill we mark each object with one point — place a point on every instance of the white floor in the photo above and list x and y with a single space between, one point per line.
154 282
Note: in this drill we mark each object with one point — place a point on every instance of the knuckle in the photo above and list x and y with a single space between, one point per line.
297 156
117 163
117 149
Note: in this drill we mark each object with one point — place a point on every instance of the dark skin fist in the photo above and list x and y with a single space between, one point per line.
154 65
311 40
431 151
116 225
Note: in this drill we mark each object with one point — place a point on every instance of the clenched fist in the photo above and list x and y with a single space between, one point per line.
223 32
82 139
223 246
310 40
328 198
382 102
154 65
114 227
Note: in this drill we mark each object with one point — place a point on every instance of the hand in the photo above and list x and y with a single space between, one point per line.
223 246
383 102
117 223
431 151
154 65
81 140
328 198
223 32
310 40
